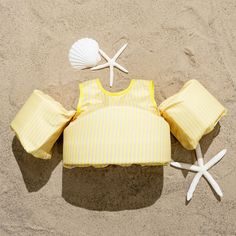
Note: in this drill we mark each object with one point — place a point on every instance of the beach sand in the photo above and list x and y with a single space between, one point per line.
169 42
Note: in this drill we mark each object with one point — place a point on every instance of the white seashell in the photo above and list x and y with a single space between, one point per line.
84 53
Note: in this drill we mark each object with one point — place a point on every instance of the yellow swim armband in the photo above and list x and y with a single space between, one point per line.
39 123
191 113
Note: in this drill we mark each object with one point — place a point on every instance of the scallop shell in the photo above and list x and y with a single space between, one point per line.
84 53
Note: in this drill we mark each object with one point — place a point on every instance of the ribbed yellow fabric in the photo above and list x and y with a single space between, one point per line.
120 128
139 93
39 123
191 113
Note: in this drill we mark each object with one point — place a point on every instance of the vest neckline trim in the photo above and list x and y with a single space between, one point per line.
118 93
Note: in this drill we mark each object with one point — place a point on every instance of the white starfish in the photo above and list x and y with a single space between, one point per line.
111 62
202 170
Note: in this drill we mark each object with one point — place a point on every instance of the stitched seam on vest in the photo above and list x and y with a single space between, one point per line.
152 93
81 97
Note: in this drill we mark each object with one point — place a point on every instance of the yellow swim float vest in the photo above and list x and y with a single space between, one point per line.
121 128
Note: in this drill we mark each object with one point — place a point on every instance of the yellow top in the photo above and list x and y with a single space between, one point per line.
120 128
139 93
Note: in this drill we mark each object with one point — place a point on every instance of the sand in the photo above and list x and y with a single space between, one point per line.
169 42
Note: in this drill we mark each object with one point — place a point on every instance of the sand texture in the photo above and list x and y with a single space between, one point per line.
169 42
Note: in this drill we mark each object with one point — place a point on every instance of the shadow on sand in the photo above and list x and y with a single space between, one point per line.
180 154
112 188
35 172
